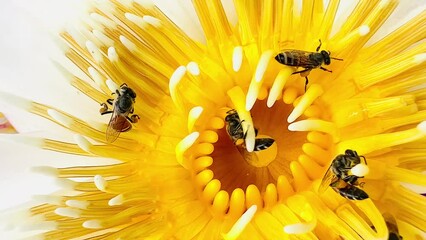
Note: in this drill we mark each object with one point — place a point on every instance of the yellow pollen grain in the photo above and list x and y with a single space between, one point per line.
252 94
307 99
278 85
220 203
202 163
237 97
271 196
253 196
216 123
284 188
209 136
211 189
301 179
204 177
237 203
290 94
183 146
241 224
193 115
381 141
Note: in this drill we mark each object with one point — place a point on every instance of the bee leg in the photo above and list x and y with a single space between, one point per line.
319 46
110 101
325 69
351 179
134 118
103 109
306 83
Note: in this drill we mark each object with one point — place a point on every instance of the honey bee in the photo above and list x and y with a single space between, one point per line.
235 131
339 180
306 60
122 107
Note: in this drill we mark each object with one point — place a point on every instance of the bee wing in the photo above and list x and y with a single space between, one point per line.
326 180
262 143
117 124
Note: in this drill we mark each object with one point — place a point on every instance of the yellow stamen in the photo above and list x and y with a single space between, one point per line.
381 141
241 223
278 85
264 60
253 196
220 203
315 125
307 99
193 115
183 146
173 84
100 183
211 189
237 58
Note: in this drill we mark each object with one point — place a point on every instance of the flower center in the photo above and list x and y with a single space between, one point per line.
235 167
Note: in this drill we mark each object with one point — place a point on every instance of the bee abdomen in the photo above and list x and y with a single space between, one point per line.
287 58
353 193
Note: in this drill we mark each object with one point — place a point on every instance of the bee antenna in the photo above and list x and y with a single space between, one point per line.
336 58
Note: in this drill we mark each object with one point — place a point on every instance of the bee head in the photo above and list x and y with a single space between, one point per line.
326 56
128 91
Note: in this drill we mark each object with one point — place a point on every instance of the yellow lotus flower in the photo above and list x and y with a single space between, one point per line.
177 174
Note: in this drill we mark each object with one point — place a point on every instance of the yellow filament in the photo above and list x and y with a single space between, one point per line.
271 196
307 99
381 141
278 85
315 125
284 188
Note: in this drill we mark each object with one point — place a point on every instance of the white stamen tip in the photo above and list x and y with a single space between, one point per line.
127 43
50 171
92 224
193 68
420 58
68 212
422 127
193 116
100 182
360 170
95 76
117 200
82 142
60 118
112 86
237 58
112 54
363 30
152 20
15 100
299 228
262 65
94 51
77 204
241 223
184 145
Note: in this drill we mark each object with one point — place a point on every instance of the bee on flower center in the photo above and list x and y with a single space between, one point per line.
306 60
338 178
122 107
235 131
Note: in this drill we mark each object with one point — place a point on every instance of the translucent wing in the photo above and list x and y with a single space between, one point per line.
326 180
117 124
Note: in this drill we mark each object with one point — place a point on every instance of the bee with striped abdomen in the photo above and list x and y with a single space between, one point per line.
306 60
337 176
235 131
122 107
